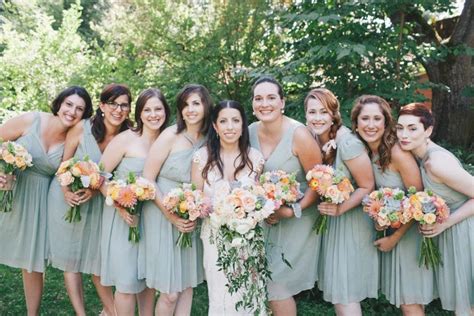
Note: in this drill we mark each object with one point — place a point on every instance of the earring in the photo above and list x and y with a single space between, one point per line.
102 114
357 130
253 113
332 123
282 110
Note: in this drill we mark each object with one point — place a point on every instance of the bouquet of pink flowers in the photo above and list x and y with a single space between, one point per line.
333 187
426 207
188 203
78 174
13 156
129 194
385 207
282 188
240 243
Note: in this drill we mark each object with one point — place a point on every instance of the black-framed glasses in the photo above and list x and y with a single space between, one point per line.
123 106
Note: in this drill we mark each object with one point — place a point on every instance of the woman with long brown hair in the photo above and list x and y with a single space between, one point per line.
403 282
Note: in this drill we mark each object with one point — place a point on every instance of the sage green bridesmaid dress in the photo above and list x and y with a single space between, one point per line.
120 256
165 266
293 238
455 278
23 230
402 280
349 265
75 247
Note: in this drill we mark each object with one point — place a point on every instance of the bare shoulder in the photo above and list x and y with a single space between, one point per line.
124 138
169 134
441 162
302 135
399 155
76 130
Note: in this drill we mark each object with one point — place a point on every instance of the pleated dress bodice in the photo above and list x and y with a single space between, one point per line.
455 278
165 266
402 281
75 247
119 265
301 251
23 230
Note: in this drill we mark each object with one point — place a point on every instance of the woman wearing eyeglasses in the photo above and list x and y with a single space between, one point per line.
75 247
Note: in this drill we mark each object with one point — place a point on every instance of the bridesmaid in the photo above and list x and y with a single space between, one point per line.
172 270
286 145
227 158
75 247
23 230
444 175
348 267
125 153
403 282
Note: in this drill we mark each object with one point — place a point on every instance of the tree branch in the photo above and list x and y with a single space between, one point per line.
464 30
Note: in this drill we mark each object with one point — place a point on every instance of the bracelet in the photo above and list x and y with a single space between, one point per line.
296 209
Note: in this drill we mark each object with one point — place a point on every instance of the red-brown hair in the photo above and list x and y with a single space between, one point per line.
330 102
419 110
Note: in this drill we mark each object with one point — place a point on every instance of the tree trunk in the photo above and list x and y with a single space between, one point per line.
453 111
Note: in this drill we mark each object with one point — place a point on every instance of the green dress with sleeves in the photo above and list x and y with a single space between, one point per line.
349 265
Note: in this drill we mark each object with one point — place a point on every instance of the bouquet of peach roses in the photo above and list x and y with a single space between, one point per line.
385 207
240 243
333 187
13 156
188 203
78 174
282 188
128 194
425 207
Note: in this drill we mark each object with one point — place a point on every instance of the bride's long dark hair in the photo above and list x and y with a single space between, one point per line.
214 144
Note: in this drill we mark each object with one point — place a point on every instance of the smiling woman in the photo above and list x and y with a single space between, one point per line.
23 242
75 247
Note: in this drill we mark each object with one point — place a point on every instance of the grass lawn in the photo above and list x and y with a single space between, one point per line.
56 302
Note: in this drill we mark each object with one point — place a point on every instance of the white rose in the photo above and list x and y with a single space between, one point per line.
237 242
109 201
86 181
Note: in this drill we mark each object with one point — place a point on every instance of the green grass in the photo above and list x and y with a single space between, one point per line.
56 302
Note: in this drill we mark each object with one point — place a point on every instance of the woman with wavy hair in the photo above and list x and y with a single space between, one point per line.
348 262
23 233
286 145
403 282
75 247
442 173
226 159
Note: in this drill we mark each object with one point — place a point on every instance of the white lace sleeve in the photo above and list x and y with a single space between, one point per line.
200 157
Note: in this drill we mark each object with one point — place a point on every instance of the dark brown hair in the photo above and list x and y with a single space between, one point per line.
269 80
214 144
109 93
79 91
420 110
330 102
206 100
389 137
141 102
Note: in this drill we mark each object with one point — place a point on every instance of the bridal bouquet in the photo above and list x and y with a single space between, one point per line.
13 156
385 206
78 174
129 193
282 188
426 207
188 203
333 187
240 243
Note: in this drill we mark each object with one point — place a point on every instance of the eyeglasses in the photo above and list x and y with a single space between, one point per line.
123 106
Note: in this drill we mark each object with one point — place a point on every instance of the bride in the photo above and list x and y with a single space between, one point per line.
226 159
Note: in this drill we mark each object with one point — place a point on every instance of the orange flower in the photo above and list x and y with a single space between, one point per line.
127 197
314 184
183 207
396 224
285 180
345 186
